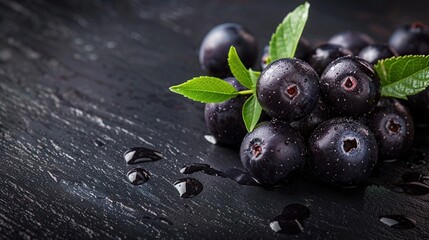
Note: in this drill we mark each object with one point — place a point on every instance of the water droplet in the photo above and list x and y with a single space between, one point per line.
237 175
138 176
141 154
188 187
99 143
398 221
291 220
210 139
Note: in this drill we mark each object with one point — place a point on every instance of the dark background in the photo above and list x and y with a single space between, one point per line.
83 81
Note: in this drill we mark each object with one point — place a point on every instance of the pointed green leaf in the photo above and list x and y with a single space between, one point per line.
251 112
206 89
254 75
285 40
403 76
238 69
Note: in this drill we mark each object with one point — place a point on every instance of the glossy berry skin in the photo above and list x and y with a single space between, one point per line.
288 89
302 51
375 52
273 152
307 125
351 86
411 39
320 57
224 120
215 46
342 152
393 128
353 40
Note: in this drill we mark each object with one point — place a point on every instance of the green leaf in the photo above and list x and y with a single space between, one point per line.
403 76
254 75
238 69
285 40
251 112
206 89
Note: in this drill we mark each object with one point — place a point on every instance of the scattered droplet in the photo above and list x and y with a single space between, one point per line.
412 188
237 175
291 220
198 167
188 187
240 177
210 139
99 143
141 154
280 225
398 221
138 176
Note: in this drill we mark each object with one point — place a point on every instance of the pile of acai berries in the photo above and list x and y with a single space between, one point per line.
322 110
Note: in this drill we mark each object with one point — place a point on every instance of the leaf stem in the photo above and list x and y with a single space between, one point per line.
245 92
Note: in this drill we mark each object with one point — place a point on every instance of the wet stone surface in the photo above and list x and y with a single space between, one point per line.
83 81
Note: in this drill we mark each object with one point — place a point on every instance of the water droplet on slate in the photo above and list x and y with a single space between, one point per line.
398 221
199 167
141 154
240 177
98 142
188 187
291 220
138 176
210 139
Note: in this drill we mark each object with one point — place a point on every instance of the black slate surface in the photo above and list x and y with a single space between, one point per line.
83 81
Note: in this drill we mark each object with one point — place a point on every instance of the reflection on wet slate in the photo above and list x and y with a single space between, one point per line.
141 154
291 220
138 176
188 187
398 221
237 175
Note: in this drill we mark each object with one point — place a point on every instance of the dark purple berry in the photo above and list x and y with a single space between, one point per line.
352 40
288 89
351 86
215 46
342 152
411 39
374 52
320 57
393 128
301 52
272 152
307 125
224 120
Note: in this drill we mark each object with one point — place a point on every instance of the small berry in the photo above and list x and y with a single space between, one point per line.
411 39
351 86
214 49
342 152
272 152
352 40
375 52
320 57
288 89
